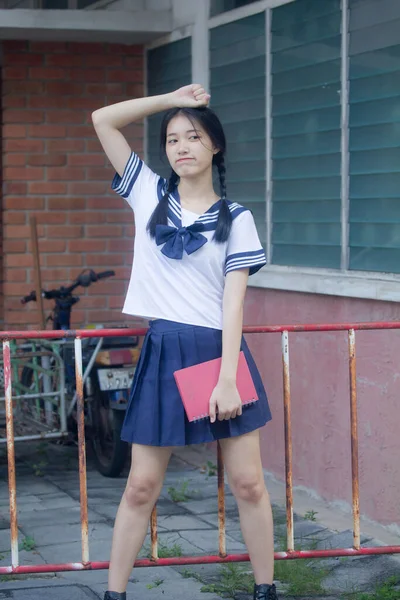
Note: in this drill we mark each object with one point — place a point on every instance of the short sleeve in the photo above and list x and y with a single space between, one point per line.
137 181
244 246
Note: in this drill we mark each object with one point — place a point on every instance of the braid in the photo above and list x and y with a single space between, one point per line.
160 213
224 222
221 172
172 181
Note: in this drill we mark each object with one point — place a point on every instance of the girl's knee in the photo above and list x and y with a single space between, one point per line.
248 488
141 491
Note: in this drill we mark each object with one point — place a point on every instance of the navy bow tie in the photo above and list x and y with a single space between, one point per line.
176 240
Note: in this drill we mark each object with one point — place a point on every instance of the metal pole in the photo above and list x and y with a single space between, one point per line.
154 534
354 439
288 441
12 485
86 373
82 451
221 502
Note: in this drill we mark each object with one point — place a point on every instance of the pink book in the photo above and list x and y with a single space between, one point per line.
197 383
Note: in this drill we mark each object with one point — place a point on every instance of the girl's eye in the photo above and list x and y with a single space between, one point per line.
171 141
194 137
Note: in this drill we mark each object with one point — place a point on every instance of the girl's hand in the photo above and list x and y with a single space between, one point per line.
190 96
225 402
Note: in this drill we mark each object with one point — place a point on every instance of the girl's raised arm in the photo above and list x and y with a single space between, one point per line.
109 120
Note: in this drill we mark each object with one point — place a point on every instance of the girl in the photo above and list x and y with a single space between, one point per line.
194 251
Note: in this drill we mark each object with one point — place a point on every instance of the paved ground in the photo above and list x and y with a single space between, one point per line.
48 513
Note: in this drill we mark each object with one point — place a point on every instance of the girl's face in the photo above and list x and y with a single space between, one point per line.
190 151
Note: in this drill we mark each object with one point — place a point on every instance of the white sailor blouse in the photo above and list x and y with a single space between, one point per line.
180 275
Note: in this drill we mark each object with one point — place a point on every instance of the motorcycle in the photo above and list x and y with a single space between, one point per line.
108 369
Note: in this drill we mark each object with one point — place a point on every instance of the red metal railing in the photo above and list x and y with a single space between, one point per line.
222 556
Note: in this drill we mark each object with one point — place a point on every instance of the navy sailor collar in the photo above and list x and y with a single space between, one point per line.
204 222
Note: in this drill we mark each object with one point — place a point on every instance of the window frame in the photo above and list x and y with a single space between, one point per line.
337 282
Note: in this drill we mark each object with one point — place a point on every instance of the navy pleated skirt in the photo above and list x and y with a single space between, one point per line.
155 415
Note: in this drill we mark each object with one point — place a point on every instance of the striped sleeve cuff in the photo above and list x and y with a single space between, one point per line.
123 185
246 260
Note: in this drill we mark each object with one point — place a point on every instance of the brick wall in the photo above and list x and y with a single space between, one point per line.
54 167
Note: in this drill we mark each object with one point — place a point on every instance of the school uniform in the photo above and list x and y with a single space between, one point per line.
177 283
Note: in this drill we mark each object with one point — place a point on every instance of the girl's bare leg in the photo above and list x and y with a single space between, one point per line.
143 487
245 476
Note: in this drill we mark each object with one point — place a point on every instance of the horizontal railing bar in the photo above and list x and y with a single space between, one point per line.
93 333
200 560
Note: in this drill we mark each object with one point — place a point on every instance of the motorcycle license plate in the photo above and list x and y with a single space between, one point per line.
115 379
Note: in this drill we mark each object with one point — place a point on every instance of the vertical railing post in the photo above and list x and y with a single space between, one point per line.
354 439
221 503
82 451
154 533
12 484
288 440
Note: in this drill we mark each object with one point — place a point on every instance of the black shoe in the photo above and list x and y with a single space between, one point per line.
115 596
265 592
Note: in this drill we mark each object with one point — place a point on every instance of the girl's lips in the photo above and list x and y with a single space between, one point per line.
183 159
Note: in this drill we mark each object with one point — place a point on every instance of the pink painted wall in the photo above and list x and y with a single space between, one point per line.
320 396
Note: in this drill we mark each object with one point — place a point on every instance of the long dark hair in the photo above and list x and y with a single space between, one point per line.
210 123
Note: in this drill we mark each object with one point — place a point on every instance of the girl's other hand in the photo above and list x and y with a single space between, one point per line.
225 402
190 96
